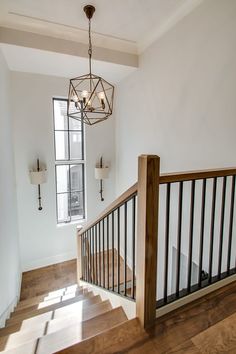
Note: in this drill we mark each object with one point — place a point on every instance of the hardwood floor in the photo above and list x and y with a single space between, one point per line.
205 326
191 328
42 280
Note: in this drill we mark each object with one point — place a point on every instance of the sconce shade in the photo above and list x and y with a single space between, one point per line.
101 172
38 177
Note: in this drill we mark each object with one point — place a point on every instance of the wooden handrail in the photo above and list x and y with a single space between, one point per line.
195 175
113 206
173 177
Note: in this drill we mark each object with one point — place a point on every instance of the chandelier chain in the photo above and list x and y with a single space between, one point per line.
90 49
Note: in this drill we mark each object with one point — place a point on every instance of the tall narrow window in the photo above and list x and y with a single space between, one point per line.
69 164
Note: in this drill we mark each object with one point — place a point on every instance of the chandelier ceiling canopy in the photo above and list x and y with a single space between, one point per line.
90 97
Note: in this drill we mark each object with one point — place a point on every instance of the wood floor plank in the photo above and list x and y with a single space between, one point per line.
220 338
53 277
186 347
176 328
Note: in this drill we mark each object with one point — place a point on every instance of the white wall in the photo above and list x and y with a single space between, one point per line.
10 274
42 242
181 103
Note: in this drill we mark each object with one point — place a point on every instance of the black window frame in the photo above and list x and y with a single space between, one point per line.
69 162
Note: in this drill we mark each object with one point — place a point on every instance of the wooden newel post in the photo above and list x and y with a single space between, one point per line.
147 230
79 256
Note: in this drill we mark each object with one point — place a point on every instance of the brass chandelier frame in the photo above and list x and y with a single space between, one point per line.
90 97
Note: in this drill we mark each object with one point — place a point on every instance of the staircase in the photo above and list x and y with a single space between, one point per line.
56 320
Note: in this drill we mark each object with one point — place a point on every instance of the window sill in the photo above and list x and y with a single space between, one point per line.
79 223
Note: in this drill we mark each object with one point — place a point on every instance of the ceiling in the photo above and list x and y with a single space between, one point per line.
33 60
133 21
124 26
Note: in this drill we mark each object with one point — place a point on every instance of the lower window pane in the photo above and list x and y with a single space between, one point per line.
63 207
77 205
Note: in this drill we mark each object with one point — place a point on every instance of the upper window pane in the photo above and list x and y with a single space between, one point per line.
68 133
60 115
61 145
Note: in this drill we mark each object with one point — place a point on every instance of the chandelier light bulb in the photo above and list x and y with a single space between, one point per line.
84 94
101 96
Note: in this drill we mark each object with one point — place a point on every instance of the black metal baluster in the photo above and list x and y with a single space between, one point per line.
222 219
86 255
190 253
99 253
202 233
231 223
125 248
82 256
133 244
118 250
108 271
92 235
85 259
96 254
103 252
167 235
213 210
179 237
113 262
90 256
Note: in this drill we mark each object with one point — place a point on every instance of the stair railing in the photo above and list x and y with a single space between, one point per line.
164 238
197 232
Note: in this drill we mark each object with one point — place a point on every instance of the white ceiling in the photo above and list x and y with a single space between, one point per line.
33 60
135 21
126 26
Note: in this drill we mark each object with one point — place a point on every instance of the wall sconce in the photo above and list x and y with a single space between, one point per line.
38 177
101 172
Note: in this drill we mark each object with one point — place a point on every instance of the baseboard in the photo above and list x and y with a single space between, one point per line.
44 262
6 314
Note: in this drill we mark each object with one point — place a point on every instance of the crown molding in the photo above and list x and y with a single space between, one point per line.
17 21
62 46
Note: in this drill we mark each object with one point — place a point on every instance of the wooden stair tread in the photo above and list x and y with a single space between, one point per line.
116 339
220 337
75 333
48 302
49 295
33 313
47 316
70 335
21 337
26 348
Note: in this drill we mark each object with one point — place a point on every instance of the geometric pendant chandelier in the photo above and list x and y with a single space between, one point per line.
90 98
